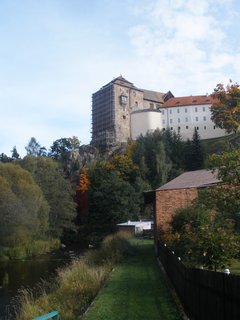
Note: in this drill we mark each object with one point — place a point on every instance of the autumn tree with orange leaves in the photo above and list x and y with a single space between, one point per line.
226 106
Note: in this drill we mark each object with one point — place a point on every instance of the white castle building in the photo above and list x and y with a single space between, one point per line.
181 114
121 111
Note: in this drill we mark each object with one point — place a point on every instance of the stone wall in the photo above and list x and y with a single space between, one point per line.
167 202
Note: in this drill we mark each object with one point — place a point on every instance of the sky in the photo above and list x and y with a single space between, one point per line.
54 54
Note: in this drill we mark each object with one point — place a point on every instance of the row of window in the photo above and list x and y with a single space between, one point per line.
185 110
186 120
187 127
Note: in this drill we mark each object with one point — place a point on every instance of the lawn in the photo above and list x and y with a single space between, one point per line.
136 290
235 267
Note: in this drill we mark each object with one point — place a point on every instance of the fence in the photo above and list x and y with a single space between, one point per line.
205 295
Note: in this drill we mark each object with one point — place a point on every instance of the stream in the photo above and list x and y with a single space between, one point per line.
18 274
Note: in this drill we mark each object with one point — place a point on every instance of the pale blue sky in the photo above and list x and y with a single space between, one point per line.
55 53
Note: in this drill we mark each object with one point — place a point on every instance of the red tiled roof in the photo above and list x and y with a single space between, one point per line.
187 101
192 179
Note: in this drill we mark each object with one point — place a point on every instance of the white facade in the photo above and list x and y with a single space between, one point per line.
145 121
192 112
136 226
184 120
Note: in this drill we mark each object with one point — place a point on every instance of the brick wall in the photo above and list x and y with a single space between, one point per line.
167 202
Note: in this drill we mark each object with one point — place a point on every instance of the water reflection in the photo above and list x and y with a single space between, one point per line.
27 273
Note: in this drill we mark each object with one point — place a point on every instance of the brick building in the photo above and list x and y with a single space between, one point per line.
179 193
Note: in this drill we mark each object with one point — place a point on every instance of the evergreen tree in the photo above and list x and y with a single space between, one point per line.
194 153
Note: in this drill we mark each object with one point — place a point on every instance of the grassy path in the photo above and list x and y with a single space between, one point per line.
136 290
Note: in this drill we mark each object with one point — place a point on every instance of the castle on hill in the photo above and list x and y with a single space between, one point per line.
121 111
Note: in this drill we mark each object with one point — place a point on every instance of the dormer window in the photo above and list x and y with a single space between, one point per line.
123 100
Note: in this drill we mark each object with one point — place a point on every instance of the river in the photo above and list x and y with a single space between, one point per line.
18 274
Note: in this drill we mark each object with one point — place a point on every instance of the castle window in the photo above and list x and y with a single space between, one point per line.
186 110
124 117
163 121
123 100
204 118
186 127
214 127
163 112
178 120
205 127
170 120
186 119
151 105
170 111
195 109
171 128
196 119
203 109
178 110
179 128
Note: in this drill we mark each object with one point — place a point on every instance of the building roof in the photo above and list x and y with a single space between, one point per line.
122 81
192 179
188 101
153 96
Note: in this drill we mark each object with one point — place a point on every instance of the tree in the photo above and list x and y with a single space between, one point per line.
23 208
33 148
57 191
112 200
194 153
15 154
204 238
225 198
4 158
226 107
151 157
61 148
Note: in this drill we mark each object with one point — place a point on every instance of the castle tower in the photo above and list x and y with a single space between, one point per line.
111 109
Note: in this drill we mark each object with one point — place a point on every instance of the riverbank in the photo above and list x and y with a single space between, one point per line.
136 290
29 249
76 285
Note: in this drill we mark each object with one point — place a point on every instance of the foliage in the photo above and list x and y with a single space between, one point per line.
83 184
23 208
57 191
204 237
194 153
15 154
225 198
4 158
150 156
228 165
226 107
34 148
75 285
112 199
124 167
61 148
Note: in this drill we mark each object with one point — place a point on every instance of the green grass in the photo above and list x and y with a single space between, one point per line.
135 290
235 267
